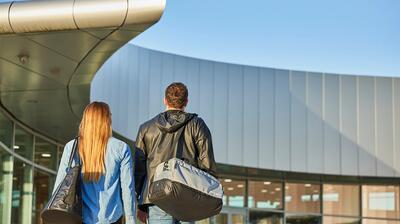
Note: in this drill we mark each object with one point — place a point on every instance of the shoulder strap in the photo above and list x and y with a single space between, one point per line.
73 152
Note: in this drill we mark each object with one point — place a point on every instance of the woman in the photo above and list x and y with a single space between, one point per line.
107 180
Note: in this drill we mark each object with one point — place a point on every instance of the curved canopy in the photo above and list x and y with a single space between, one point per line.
50 51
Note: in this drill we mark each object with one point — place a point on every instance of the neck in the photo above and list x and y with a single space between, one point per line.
173 108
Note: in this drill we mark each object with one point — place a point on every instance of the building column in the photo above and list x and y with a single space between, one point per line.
27 188
6 188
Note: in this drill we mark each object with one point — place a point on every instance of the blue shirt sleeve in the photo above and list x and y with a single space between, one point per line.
128 186
62 169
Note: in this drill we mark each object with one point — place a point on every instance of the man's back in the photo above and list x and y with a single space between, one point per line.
157 142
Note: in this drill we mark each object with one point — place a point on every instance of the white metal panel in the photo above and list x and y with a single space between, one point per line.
180 69
267 119
282 119
349 125
156 92
396 117
144 68
206 75
132 109
384 122
250 116
259 117
366 125
298 121
332 143
235 115
193 84
315 128
220 134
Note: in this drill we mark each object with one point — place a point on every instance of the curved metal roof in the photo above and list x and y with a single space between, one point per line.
50 51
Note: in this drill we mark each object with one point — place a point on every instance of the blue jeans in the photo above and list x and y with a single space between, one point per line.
158 216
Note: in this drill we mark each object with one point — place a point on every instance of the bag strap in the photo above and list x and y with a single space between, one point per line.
73 152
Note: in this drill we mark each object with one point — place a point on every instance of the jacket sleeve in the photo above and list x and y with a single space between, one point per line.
140 163
204 145
127 185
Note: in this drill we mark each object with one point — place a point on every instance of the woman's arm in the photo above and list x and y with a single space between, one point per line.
128 186
62 169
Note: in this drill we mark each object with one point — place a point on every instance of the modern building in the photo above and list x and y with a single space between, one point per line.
292 146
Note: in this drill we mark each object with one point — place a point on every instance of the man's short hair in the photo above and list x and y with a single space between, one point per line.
176 95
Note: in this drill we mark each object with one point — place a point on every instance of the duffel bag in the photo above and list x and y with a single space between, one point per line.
185 192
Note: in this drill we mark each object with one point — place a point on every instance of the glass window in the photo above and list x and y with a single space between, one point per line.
341 199
45 154
302 219
234 191
340 220
380 201
221 219
42 191
6 130
22 194
379 221
265 194
23 143
302 197
262 217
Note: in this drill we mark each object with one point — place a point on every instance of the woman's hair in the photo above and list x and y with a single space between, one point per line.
94 132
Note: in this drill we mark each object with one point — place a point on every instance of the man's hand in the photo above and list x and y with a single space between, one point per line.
142 216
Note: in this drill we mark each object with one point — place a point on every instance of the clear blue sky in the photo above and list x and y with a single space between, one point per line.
337 36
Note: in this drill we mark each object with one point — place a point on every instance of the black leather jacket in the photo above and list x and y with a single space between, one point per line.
157 142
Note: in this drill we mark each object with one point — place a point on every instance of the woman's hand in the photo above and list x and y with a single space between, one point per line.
142 216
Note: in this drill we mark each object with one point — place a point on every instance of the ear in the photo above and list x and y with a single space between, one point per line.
165 102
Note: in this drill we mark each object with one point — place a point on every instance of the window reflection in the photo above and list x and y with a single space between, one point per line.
45 154
264 217
340 220
234 191
22 194
42 188
379 221
302 219
341 199
302 197
6 130
265 194
380 201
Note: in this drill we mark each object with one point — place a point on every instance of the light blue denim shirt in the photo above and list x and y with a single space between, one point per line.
114 195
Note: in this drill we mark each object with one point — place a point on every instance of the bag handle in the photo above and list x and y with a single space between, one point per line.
73 152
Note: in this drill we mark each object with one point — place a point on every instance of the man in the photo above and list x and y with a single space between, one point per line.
157 142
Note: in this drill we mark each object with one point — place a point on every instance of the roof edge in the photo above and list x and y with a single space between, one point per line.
50 15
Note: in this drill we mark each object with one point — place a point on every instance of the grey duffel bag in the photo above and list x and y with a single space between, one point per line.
185 192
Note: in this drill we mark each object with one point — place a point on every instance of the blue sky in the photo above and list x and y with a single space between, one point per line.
335 36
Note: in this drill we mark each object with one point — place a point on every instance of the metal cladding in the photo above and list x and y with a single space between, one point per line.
50 15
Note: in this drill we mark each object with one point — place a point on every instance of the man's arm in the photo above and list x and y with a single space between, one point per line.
204 144
140 163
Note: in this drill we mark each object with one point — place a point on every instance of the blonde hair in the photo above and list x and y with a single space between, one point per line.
94 132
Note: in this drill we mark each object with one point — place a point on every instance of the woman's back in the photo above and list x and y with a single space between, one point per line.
106 200
107 182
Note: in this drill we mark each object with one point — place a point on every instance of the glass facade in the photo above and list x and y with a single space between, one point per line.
311 203
26 180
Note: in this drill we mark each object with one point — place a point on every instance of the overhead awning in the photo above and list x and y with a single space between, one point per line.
50 51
